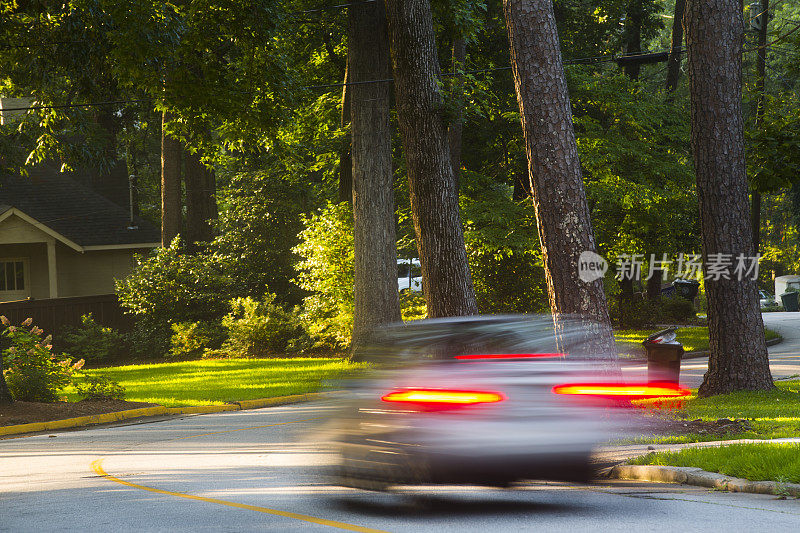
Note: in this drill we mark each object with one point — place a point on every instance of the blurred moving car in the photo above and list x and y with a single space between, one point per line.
480 400
409 275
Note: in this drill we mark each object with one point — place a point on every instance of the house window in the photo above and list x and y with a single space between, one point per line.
12 275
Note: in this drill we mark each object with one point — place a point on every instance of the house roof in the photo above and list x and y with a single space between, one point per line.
73 211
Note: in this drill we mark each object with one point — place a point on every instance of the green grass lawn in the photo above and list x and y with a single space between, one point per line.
757 462
772 415
629 341
217 381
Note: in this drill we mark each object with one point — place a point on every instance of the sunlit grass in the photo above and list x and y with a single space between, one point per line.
757 462
629 341
214 382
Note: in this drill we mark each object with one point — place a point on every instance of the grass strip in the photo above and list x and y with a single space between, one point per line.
214 382
756 462
629 341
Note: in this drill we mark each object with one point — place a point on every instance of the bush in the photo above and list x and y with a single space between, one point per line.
99 388
263 328
168 287
326 270
32 371
678 309
413 306
194 339
94 342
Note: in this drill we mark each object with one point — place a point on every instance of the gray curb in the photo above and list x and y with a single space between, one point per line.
695 476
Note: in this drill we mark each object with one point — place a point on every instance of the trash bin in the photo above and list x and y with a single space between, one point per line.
789 301
686 288
663 356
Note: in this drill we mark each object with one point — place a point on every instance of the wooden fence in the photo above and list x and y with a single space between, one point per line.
52 315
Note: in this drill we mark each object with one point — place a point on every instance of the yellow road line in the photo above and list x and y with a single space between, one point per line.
98 469
245 429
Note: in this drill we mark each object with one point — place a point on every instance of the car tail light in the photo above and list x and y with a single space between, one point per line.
623 391
510 356
437 399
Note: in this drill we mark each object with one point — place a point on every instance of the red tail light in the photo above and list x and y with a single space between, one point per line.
629 391
511 356
442 398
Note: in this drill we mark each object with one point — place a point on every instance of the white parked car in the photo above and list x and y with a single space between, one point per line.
409 275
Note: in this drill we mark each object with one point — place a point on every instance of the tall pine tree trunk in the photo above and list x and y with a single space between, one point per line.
634 16
170 185
562 214
375 244
714 38
200 195
446 278
674 60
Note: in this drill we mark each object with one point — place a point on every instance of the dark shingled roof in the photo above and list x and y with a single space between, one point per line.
73 210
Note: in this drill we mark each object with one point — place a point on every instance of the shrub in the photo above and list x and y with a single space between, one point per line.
32 371
326 270
677 308
168 287
98 388
94 342
193 339
413 306
262 328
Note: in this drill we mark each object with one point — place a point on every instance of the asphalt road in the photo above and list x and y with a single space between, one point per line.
246 471
255 471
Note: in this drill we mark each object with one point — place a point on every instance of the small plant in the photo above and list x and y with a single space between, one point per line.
94 342
100 388
32 371
194 339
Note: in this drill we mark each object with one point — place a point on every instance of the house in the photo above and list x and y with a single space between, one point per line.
59 238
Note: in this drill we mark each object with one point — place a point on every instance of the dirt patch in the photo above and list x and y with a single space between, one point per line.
721 427
27 412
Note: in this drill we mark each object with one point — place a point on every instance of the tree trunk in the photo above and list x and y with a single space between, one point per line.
456 126
674 60
375 244
446 278
345 153
654 285
562 214
198 182
714 36
634 15
170 185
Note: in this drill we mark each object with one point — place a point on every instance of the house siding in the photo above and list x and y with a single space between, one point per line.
91 272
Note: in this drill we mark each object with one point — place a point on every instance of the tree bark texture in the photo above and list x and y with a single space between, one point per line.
714 38
345 152
170 185
674 60
446 279
456 126
200 200
562 214
375 242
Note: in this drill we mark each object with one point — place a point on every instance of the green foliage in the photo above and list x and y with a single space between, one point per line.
32 371
194 339
413 306
773 147
94 342
326 270
168 287
678 309
98 388
257 328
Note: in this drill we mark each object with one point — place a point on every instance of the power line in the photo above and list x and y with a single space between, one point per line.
67 106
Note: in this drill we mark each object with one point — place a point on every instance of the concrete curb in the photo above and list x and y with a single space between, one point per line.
696 476
158 410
